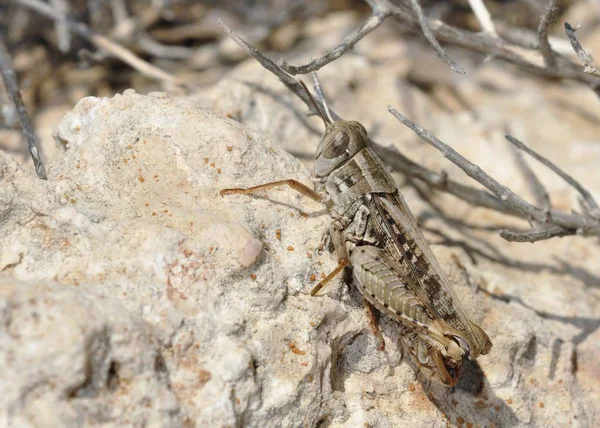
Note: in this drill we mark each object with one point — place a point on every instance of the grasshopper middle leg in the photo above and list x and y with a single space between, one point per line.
342 255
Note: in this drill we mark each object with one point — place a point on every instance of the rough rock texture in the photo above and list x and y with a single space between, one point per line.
132 293
540 303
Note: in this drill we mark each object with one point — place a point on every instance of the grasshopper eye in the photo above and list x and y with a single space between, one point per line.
337 145
360 127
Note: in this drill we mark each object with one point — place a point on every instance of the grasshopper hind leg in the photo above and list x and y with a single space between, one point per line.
374 323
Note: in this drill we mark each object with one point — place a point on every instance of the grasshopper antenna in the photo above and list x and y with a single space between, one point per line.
321 95
326 118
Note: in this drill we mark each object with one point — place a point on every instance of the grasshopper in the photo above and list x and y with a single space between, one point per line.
374 233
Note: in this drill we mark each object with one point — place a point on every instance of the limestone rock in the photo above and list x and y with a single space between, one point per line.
131 289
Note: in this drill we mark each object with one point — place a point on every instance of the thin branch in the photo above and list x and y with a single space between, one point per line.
541 196
63 36
587 224
536 235
158 50
396 160
488 45
102 42
416 7
475 197
544 45
377 17
483 16
590 202
500 199
583 56
321 96
529 57
291 83
12 88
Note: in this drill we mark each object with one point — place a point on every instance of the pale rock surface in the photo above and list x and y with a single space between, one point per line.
539 303
204 302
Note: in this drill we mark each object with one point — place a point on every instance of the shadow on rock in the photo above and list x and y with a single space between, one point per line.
472 401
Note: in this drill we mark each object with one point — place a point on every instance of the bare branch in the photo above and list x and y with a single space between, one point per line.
12 88
321 95
483 16
102 42
489 45
395 159
424 24
583 56
377 17
500 199
534 56
547 18
63 36
590 202
536 235
542 198
291 83
587 224
475 197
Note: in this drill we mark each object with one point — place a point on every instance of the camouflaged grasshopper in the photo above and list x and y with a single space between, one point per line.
374 232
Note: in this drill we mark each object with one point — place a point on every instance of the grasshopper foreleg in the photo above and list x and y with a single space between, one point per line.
293 184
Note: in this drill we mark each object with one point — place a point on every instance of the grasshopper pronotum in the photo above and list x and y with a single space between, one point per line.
374 232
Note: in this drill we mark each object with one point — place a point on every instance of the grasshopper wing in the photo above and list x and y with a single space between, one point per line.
399 233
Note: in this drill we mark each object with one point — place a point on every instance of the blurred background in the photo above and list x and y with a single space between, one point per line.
56 66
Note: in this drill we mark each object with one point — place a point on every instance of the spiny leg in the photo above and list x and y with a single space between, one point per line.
294 184
342 255
340 266
373 322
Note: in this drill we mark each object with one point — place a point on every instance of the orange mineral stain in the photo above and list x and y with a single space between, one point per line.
295 350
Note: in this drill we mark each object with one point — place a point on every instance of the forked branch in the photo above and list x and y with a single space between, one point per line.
553 222
398 161
537 58
377 17
550 222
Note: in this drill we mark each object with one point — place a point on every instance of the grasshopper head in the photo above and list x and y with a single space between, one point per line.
342 140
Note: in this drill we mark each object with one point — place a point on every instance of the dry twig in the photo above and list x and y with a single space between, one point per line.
501 198
589 203
534 57
563 224
535 235
541 196
63 36
424 24
12 88
483 16
291 83
547 18
583 56
377 17
395 159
